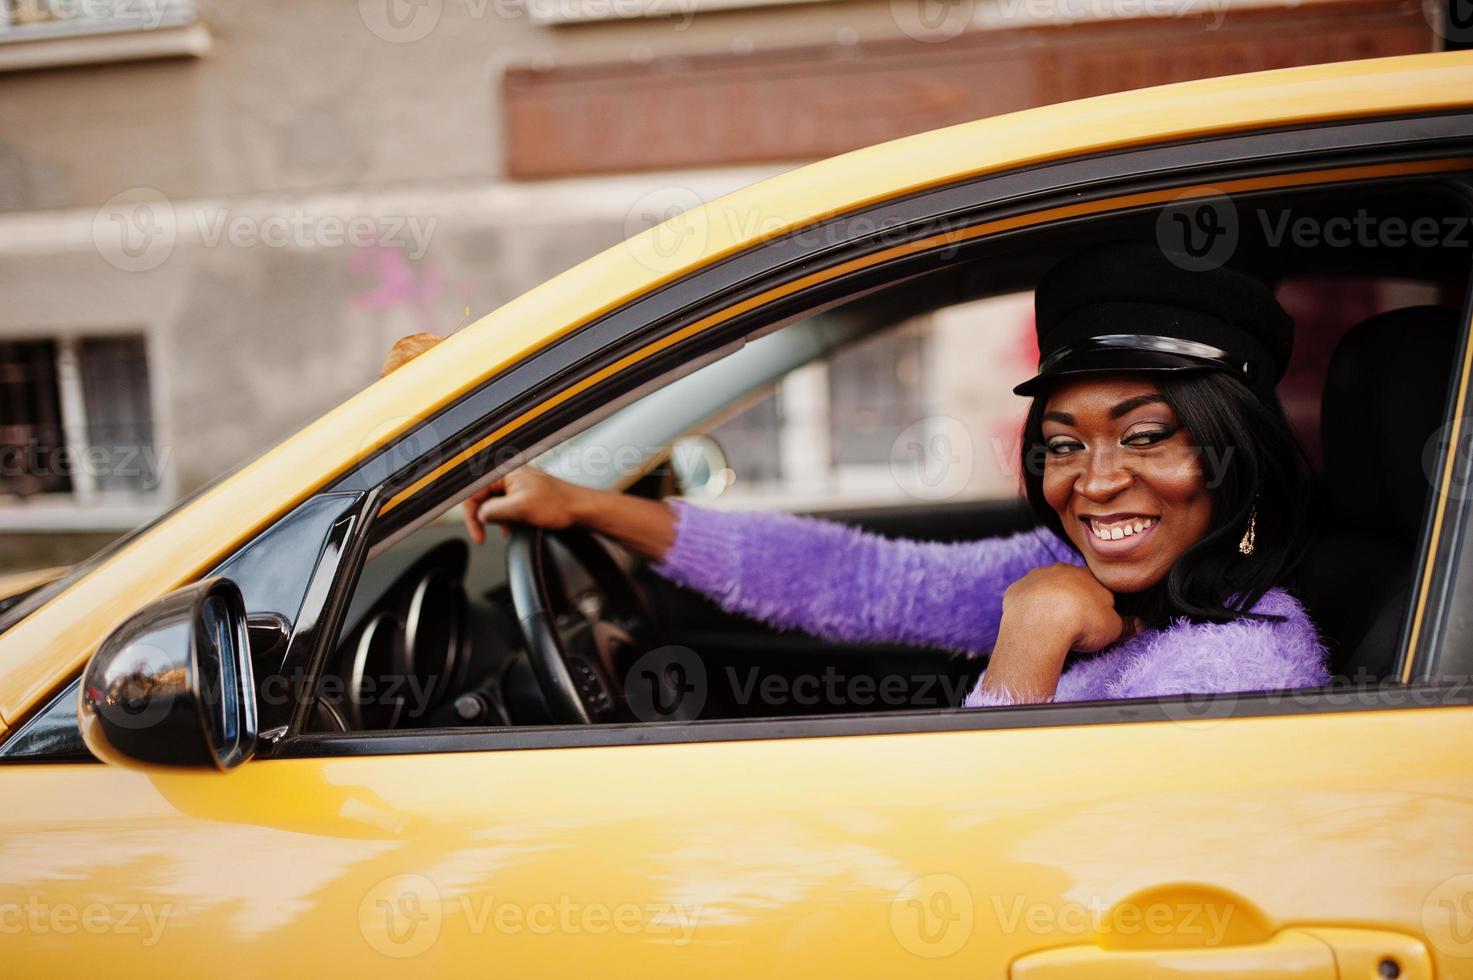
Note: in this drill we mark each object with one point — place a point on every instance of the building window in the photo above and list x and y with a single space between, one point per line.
22 20
919 412
876 389
78 421
31 438
52 33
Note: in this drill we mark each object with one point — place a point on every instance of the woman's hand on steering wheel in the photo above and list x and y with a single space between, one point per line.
530 496
524 496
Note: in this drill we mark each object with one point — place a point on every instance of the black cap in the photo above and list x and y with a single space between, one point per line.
1128 307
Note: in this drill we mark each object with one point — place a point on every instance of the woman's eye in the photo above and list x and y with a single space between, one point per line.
1147 437
1063 447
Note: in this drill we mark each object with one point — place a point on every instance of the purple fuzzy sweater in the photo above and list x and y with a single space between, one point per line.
852 586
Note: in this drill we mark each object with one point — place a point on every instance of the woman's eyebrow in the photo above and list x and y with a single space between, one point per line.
1130 404
1063 418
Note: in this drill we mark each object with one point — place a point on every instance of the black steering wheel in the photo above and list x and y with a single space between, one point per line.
579 644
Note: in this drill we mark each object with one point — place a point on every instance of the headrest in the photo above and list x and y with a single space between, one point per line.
1384 397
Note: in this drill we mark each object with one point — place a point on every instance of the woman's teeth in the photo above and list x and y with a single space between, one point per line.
1115 530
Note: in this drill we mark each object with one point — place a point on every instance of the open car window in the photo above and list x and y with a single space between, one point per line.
891 412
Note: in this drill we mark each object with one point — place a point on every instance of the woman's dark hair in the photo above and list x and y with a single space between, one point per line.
1252 464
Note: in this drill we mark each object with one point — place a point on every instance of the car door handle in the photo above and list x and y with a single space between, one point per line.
1307 953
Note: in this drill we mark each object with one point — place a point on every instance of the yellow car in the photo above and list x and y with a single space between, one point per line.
338 741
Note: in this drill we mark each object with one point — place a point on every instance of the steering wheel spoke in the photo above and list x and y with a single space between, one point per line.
591 687
577 657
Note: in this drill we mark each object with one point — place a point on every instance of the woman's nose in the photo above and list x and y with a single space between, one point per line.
1104 476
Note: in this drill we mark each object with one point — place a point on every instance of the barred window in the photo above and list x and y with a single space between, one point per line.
34 19
32 442
77 419
114 381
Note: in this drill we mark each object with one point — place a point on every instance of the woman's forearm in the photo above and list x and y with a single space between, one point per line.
646 527
530 496
848 585
828 579
1026 662
1045 614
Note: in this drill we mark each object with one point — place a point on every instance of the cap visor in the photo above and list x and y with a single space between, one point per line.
1118 361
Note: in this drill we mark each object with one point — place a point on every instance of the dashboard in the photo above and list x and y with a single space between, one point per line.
416 651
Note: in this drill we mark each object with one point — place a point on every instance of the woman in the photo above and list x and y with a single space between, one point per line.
1171 496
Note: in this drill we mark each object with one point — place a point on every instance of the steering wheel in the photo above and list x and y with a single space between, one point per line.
579 645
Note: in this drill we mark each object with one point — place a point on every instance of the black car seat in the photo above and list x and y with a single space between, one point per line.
1383 402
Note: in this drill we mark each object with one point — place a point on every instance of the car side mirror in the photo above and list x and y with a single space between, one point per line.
700 467
173 686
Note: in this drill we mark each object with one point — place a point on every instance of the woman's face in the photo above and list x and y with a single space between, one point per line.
1124 477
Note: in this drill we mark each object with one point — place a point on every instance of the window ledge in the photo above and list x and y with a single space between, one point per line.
48 516
187 40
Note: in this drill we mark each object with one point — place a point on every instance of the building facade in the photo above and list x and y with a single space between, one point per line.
215 217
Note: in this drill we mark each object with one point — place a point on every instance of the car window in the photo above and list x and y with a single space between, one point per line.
898 402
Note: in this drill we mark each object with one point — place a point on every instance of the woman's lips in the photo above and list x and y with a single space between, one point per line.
1117 547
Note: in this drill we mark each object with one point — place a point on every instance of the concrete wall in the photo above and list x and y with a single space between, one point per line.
271 217
296 96
309 95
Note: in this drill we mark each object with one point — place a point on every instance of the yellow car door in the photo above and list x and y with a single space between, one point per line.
1290 843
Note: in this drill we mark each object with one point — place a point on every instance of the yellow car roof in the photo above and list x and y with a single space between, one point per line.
52 643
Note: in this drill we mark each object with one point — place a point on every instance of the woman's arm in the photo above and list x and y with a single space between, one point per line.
827 579
844 584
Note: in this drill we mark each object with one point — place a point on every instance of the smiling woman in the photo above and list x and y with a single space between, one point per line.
1159 484
1171 497
1170 494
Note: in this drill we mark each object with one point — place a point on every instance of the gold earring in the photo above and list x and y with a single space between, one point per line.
1245 546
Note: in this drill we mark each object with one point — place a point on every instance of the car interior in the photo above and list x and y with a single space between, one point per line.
538 629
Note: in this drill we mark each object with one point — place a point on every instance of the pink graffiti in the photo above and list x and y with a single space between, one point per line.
396 283
1023 355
